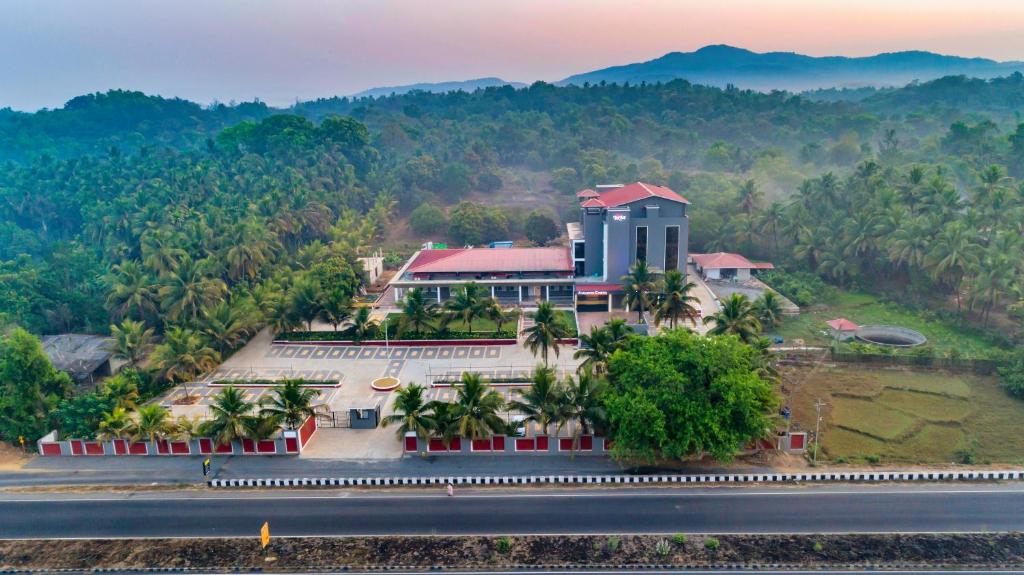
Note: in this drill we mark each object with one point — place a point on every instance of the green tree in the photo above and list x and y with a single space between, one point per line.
80 416
675 302
427 219
543 401
679 396
132 340
336 307
494 311
122 391
186 290
545 332
230 412
362 326
476 408
411 412
30 388
584 403
640 283
467 304
131 292
152 422
418 312
737 317
184 355
540 228
227 324
290 402
768 309
304 300
117 424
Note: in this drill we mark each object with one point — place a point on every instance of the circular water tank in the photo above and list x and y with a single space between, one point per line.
890 335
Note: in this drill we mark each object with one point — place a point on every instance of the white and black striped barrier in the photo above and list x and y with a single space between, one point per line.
825 476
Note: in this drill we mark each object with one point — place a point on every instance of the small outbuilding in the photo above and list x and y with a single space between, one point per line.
726 266
84 357
842 329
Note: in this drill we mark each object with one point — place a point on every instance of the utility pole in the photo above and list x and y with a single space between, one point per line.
386 346
818 404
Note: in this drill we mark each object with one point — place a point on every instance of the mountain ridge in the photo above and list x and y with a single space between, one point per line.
447 86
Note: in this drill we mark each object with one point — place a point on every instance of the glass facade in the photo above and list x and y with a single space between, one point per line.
671 248
641 243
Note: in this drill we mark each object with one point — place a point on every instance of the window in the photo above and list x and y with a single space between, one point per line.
577 250
671 248
641 243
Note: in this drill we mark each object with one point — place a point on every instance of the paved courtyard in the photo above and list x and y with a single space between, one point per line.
355 367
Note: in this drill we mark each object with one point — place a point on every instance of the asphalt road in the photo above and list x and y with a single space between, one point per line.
918 508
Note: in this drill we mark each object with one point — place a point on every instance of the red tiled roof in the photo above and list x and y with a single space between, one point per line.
593 203
638 191
587 193
726 260
493 260
842 324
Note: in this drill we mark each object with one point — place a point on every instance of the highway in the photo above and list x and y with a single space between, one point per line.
802 509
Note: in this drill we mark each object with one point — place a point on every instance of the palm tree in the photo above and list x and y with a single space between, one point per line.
476 408
498 314
411 413
187 290
184 355
261 426
768 308
639 283
417 312
131 341
544 334
467 304
122 390
251 248
362 326
618 331
584 402
443 416
771 220
749 196
952 253
594 349
116 425
158 252
185 427
304 300
737 317
291 402
227 324
230 411
151 423
336 307
542 402
131 293
676 301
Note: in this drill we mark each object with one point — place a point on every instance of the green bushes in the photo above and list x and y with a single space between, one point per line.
1011 376
802 288
346 335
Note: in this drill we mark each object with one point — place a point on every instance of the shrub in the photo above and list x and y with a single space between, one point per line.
818 547
611 545
712 543
1011 377
662 548
503 545
872 459
802 288
679 539
965 456
427 219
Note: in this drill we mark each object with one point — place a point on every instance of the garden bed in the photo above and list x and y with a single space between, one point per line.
319 554
271 382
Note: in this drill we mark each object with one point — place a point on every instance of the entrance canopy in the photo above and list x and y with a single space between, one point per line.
597 289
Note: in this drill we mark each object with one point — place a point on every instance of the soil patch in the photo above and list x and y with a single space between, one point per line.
321 554
13 458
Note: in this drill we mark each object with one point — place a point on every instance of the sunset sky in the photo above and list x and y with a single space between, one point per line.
280 51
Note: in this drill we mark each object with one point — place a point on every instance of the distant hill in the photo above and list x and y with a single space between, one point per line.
722 65
465 85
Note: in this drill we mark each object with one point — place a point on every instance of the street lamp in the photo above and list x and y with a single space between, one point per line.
386 345
818 404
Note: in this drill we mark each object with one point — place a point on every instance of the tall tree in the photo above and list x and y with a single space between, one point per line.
476 408
737 317
543 401
467 304
545 332
417 312
640 283
291 402
29 387
675 302
411 413
184 355
131 341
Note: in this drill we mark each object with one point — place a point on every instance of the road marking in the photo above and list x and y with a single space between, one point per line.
138 497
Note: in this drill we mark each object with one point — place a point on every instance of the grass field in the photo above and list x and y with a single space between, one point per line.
568 319
907 417
865 309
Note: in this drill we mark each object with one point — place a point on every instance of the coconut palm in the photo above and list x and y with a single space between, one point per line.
443 416
304 300
184 355
362 326
261 426
542 401
130 341
230 412
131 293
467 304
227 324
116 425
594 349
583 402
251 249
159 254
411 412
618 331
291 402
768 308
640 282
676 302
151 423
494 311
417 312
185 427
544 334
737 317
476 408
122 391
749 196
952 253
187 289
336 307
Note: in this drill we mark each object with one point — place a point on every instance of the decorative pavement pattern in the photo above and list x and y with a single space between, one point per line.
252 394
286 351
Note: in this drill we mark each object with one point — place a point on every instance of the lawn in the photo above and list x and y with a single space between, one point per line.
902 416
566 317
865 309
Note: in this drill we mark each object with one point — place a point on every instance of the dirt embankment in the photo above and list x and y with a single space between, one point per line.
320 554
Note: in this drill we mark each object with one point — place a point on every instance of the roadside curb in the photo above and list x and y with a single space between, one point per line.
824 477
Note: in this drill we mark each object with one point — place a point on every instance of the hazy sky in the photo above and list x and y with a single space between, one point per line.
279 51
